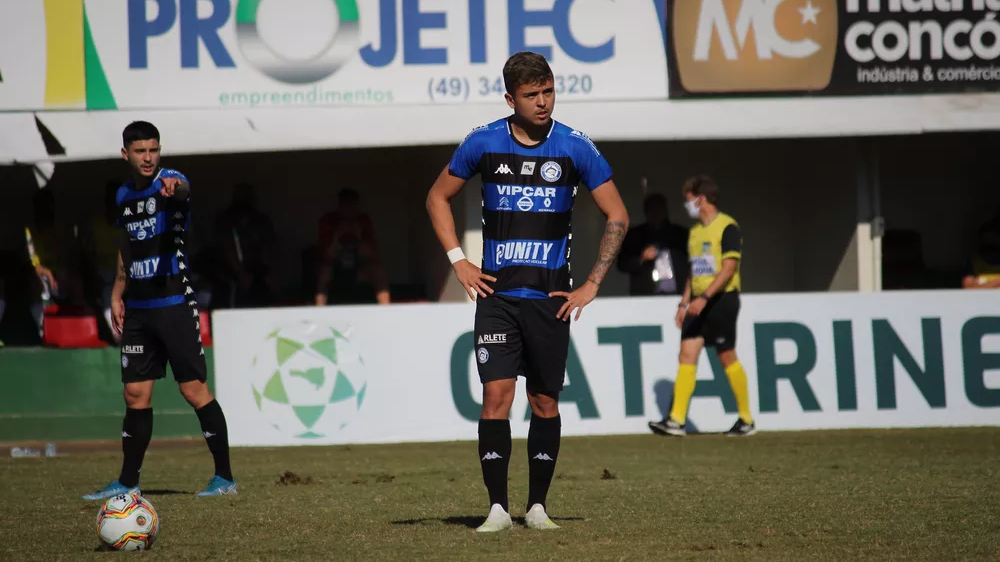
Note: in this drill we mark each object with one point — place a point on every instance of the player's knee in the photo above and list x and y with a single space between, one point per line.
727 357
543 405
196 393
497 400
137 397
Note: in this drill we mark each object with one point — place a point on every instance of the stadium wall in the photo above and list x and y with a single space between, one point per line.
303 376
76 395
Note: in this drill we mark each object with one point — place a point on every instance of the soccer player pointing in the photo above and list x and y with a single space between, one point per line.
531 166
154 310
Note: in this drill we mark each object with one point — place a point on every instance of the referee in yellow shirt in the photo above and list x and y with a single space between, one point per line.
711 303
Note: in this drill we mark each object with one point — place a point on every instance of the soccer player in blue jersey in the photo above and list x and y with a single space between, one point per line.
154 310
531 166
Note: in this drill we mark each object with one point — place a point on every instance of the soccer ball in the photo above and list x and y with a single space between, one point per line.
127 522
308 380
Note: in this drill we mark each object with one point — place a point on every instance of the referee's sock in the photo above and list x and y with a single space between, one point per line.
494 457
683 390
543 450
738 382
137 429
213 427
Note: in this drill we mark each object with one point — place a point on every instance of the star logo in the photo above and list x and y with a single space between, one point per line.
809 13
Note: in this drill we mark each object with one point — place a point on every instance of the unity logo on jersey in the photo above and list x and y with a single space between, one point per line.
340 48
754 45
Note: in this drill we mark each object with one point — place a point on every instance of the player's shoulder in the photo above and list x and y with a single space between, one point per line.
484 133
575 138
727 221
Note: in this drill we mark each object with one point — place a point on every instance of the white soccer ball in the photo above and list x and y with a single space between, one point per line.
127 522
308 380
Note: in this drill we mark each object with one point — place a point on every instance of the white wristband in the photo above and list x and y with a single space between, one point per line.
456 254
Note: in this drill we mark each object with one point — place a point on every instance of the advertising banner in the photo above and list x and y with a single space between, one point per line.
832 47
302 376
163 54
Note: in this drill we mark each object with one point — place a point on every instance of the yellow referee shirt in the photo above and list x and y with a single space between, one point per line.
708 245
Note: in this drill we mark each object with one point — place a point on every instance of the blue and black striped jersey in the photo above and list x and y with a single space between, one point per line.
528 195
156 226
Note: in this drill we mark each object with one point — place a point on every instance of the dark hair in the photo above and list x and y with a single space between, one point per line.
703 185
348 195
654 199
525 68
139 131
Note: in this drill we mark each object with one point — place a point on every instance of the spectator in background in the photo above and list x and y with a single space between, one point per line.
654 254
985 269
350 269
42 243
245 238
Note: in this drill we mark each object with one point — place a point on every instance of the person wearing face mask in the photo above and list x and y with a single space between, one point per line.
710 306
985 269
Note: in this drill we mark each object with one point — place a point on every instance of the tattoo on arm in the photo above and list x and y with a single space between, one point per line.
611 242
122 274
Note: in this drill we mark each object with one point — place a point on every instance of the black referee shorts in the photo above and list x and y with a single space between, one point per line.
522 337
153 337
716 323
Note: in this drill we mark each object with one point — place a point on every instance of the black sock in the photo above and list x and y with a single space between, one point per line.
137 429
213 426
543 450
494 456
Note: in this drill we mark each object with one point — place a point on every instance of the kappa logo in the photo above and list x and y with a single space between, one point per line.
128 212
754 45
504 169
492 456
543 457
178 215
528 169
178 228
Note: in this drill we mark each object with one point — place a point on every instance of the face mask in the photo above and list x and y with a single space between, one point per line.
693 208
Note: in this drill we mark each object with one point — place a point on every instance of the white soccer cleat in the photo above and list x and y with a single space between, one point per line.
497 520
536 518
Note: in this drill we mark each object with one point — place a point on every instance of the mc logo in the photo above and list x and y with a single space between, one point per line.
754 45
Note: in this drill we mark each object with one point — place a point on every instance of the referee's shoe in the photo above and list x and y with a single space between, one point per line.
668 426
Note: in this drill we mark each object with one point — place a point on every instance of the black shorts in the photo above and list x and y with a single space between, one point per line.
522 337
716 323
153 337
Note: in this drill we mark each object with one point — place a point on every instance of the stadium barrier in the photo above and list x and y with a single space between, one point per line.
408 373
76 395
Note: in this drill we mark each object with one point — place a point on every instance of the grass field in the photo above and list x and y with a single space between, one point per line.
808 496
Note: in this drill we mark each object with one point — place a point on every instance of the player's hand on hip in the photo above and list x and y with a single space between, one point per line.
575 300
473 279
169 186
117 315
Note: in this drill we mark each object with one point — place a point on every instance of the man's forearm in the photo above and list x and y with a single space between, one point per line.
611 242
443 222
721 280
686 297
121 280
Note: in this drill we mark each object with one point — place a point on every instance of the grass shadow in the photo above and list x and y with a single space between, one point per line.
470 521
159 492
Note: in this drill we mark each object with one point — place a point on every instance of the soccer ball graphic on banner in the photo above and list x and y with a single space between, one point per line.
308 380
127 522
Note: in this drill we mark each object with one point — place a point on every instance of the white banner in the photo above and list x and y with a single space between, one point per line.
159 54
408 372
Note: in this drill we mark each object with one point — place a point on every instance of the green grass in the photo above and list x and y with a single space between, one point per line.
808 496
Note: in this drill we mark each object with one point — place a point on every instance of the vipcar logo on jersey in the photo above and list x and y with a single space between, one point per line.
140 230
754 45
551 171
